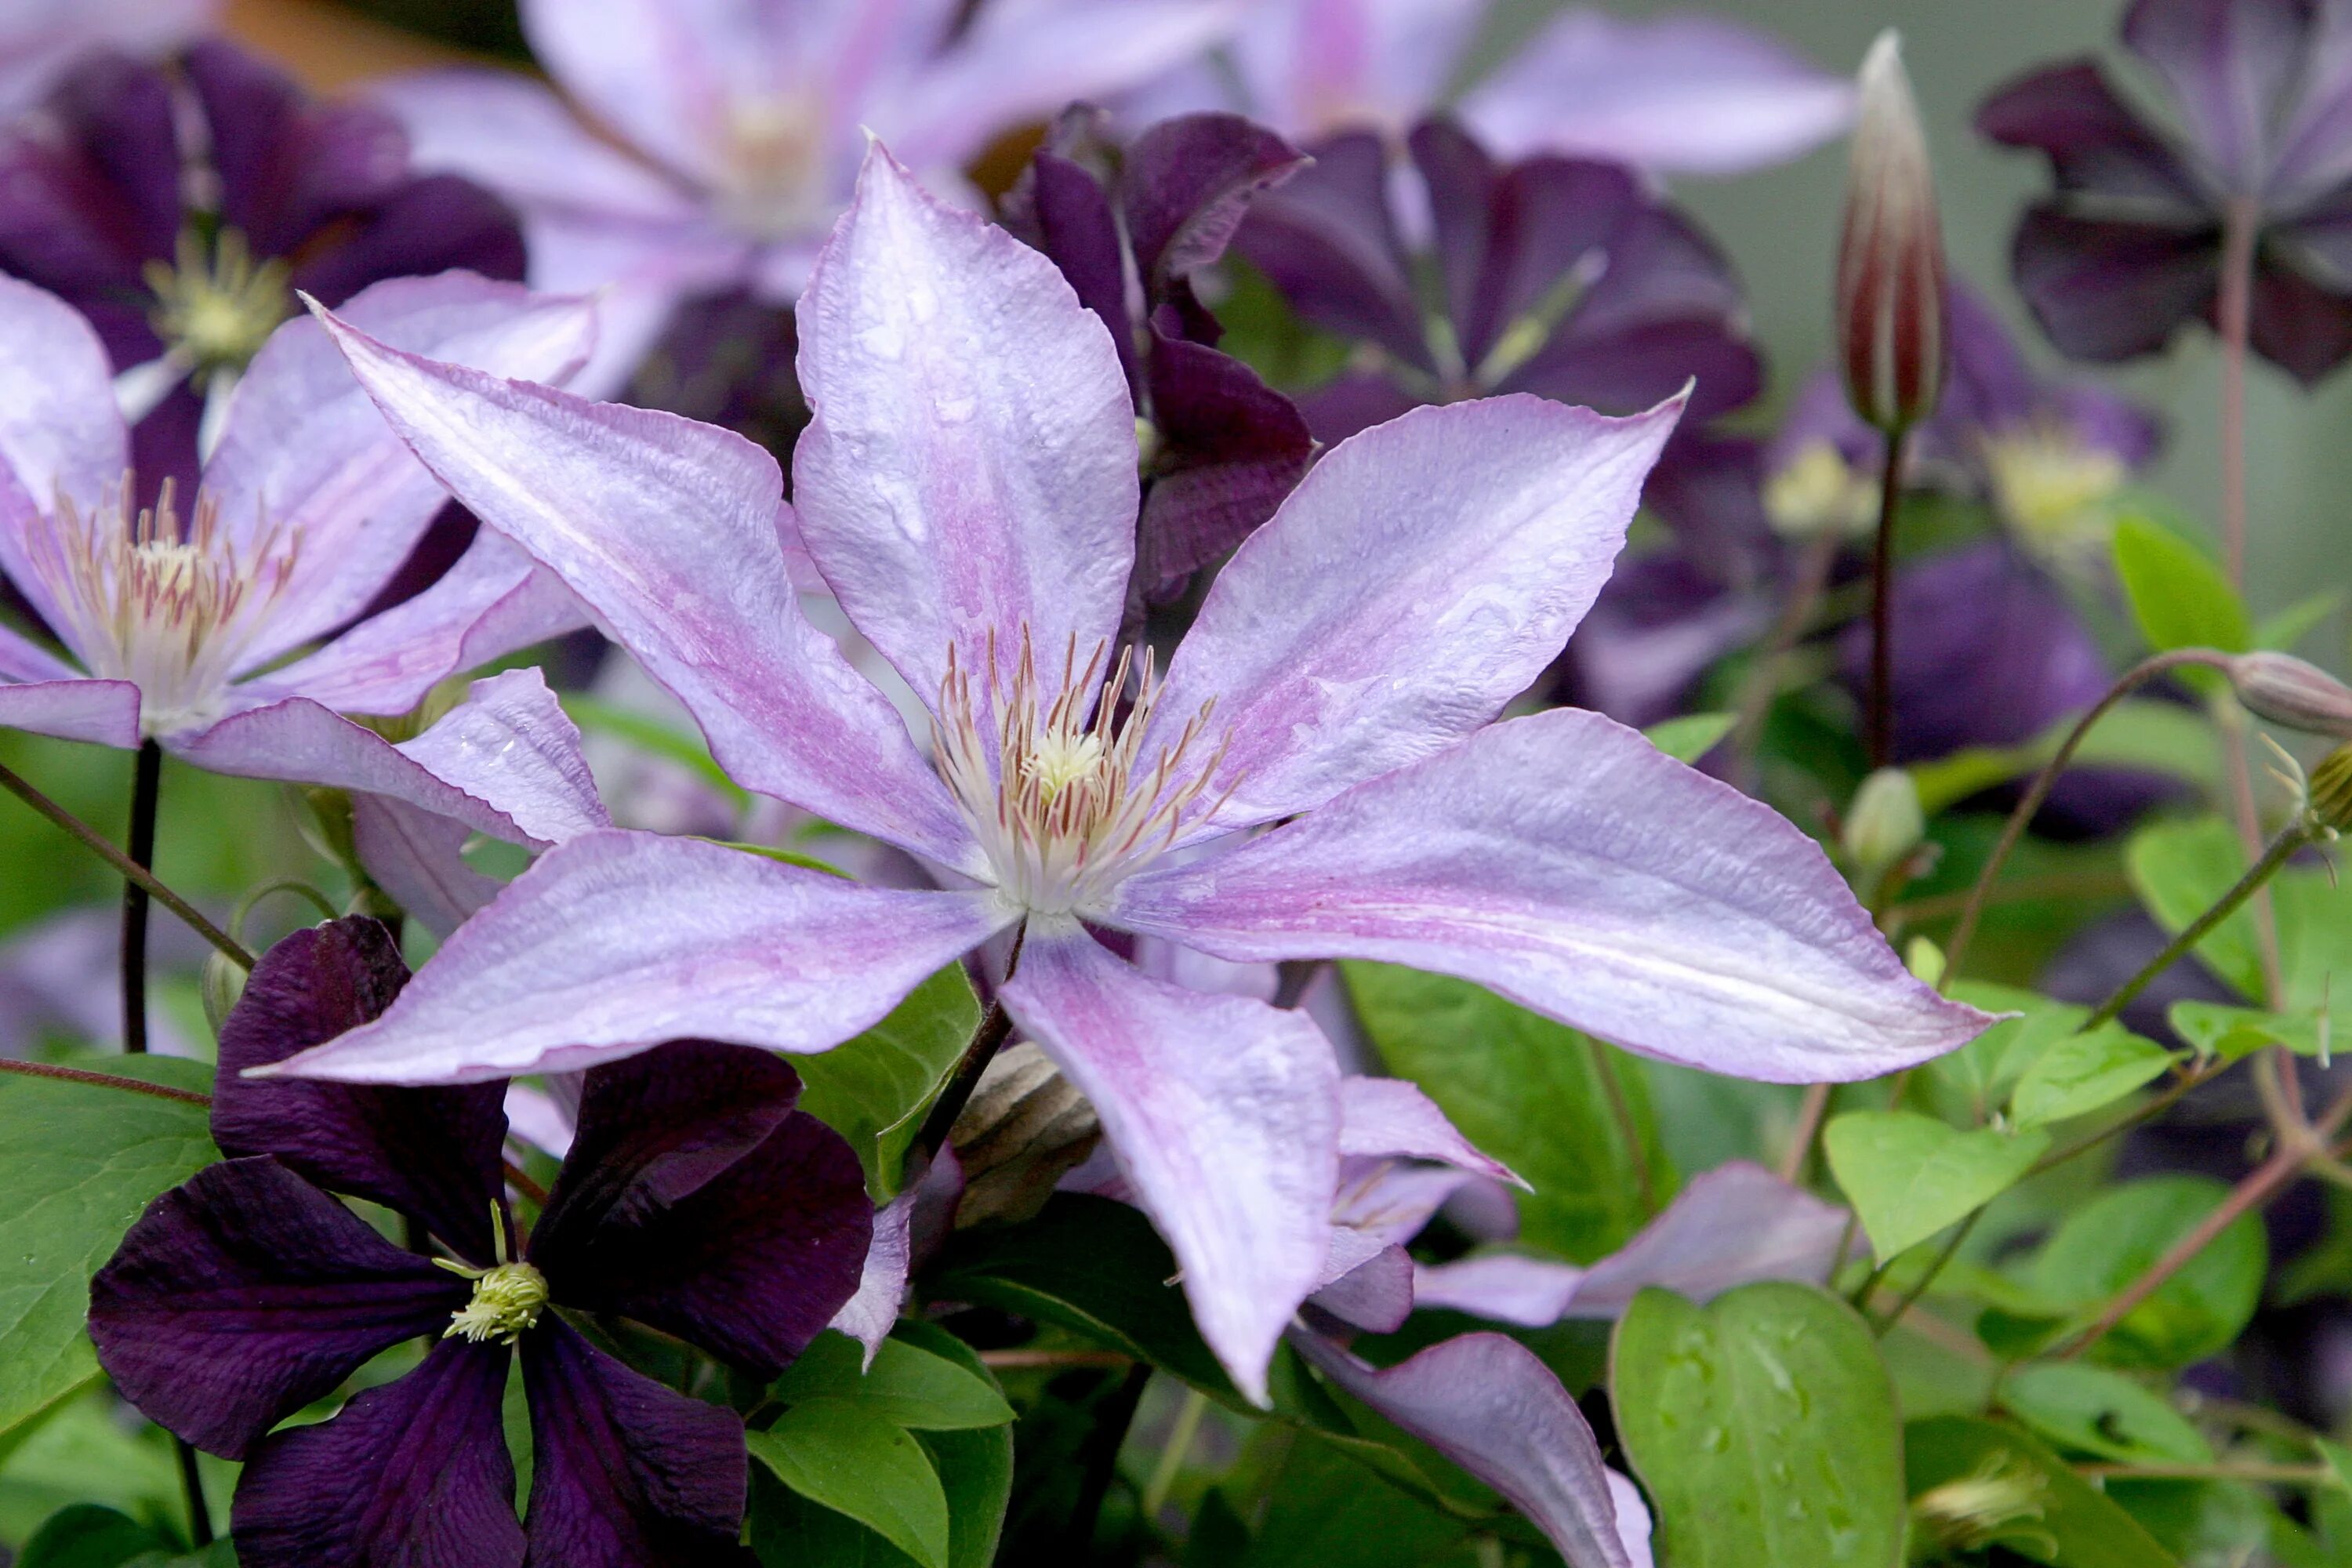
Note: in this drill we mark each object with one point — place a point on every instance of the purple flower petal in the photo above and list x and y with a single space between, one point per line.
510 743
287 166
1327 241
2108 290
1679 93
429 1152
616 941
676 1210
1565 862
2297 324
1487 1403
90 191
668 529
1501 1287
304 454
104 712
1336 643
246 1294
2094 139
40 39
2229 64
872 1311
1223 1115
415 1472
969 479
624 1473
1731 1225
59 433
1186 184
662 76
1061 206
1388 1118
1658 625
1352 403
1375 1294
418 860
1231 448
435 225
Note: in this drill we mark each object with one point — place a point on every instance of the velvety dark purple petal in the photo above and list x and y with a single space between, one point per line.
2304 328
696 1201
1991 386
1708 489
1327 239
1186 184
624 1473
1230 448
2104 421
429 1152
246 1294
423 227
2094 139
2109 290
1352 404
2229 64
1070 214
415 1473
1657 626
287 166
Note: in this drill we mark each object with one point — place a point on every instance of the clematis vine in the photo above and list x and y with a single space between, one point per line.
696 1201
968 488
191 621
1673 94
2133 243
179 206
1221 448
741 127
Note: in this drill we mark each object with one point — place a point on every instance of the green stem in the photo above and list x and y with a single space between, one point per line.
1180 1448
1910 1298
192 1486
1622 1111
2282 850
131 870
996 1027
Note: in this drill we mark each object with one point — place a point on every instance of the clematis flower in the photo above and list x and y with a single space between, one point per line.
1220 447
739 127
1673 94
177 619
95 206
2129 249
40 40
968 488
695 1201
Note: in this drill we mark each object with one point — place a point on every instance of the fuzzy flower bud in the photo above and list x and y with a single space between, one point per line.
2286 691
1885 822
1890 270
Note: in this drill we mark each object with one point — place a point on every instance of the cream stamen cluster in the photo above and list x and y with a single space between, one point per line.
773 183
165 602
216 310
508 1299
1065 808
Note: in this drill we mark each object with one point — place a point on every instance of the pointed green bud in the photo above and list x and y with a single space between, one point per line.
224 982
1885 822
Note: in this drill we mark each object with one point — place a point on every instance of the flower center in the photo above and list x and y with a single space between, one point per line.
1063 802
507 1301
165 602
774 184
217 310
1818 492
2052 489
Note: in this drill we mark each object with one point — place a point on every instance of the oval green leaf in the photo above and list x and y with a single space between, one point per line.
1909 1175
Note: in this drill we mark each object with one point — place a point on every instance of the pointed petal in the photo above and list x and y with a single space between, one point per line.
1487 1403
432 1153
1694 94
415 1472
1388 1118
970 472
1734 1225
2111 288
59 432
616 941
667 529
1375 1294
1423 575
246 1294
513 744
1230 448
697 1201
1223 1114
1501 1287
306 458
1329 241
104 712
1563 861
626 1473
872 1311
1185 184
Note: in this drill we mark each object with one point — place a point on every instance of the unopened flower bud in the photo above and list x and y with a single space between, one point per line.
1885 822
1890 270
224 982
2286 691
1023 1129
2330 800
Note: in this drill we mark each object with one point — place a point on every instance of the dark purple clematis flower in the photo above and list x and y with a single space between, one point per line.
1129 227
179 206
695 1201
2129 246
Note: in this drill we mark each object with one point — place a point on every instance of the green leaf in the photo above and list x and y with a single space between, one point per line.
2097 1411
1567 1113
1988 1067
2080 1073
1910 1175
1763 1426
874 1089
2143 735
2218 1030
975 1465
79 1163
1691 736
2180 870
906 1385
1324 1510
2118 1235
2284 629
2071 1525
2179 595
850 1460
88 1536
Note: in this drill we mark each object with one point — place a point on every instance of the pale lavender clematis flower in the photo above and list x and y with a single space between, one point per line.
186 622
740 124
41 39
1673 94
968 488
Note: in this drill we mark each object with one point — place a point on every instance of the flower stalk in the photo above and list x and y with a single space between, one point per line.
146 789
